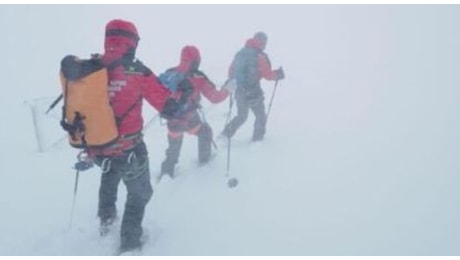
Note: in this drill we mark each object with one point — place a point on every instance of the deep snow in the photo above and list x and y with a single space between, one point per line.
361 155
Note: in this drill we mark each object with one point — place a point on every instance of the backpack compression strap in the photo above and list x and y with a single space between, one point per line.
119 119
77 125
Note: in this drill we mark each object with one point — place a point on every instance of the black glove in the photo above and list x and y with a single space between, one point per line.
83 165
84 162
280 73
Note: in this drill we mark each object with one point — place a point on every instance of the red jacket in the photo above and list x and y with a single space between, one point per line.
202 85
264 65
189 63
128 85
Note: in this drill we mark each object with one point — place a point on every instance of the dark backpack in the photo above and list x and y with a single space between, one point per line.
245 68
177 82
172 78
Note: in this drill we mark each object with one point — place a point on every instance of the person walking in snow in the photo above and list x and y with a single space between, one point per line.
193 83
248 67
127 158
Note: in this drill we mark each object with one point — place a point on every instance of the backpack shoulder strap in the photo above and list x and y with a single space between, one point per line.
137 67
131 67
119 119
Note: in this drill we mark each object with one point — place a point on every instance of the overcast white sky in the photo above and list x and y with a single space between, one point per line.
363 131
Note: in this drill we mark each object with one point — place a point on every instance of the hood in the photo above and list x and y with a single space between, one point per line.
254 43
121 39
190 59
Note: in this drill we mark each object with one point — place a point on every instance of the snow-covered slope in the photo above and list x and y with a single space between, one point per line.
361 153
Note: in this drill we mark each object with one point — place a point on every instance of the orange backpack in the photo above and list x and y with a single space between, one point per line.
87 115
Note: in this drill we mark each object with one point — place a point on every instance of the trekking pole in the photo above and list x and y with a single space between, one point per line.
150 122
229 115
55 102
232 182
74 197
271 101
83 164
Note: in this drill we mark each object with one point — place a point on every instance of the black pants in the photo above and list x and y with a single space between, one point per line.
133 169
176 136
244 102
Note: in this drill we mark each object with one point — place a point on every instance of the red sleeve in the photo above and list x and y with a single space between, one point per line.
154 92
209 90
265 69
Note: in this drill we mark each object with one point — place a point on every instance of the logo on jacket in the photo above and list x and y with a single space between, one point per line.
116 86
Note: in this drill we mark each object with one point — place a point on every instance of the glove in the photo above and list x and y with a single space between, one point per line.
230 85
83 165
280 74
84 162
